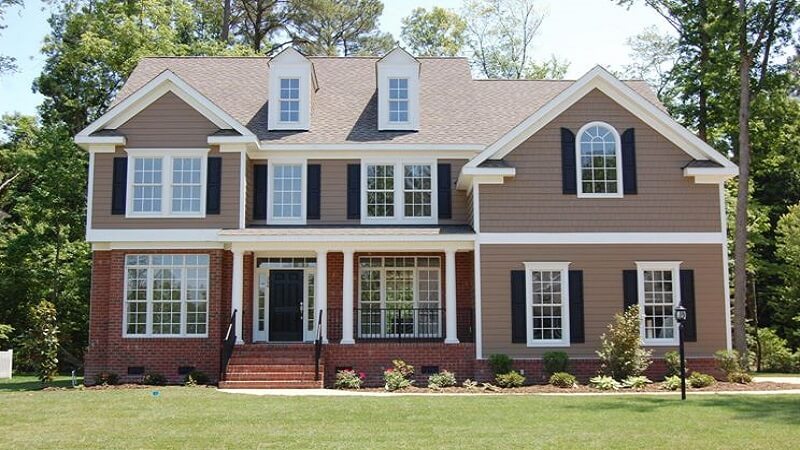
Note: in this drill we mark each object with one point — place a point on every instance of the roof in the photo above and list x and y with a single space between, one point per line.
455 109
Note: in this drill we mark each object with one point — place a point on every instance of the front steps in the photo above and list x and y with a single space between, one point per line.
272 366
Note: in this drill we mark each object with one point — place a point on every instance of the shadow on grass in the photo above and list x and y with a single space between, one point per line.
23 383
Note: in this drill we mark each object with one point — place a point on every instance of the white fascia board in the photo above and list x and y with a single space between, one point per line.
466 182
370 146
599 78
501 171
220 140
710 175
155 245
601 238
402 240
153 235
95 143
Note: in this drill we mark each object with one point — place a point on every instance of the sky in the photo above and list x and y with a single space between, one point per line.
584 32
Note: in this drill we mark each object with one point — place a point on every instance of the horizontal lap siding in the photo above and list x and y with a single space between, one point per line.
602 267
532 201
168 122
333 195
461 213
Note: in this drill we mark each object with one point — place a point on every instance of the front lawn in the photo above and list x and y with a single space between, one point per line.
204 418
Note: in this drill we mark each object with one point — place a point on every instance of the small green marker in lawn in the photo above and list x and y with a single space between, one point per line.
156 394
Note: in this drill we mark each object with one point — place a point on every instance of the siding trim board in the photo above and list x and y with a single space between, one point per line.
601 238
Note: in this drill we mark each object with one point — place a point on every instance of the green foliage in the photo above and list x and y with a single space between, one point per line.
154 379
621 352
739 377
555 362
700 380
637 382
196 377
40 343
509 380
604 383
563 380
106 379
5 335
398 377
772 349
407 370
438 32
347 379
729 361
673 361
787 309
500 363
441 380
470 384
672 383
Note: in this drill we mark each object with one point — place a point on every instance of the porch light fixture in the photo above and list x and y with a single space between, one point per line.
680 316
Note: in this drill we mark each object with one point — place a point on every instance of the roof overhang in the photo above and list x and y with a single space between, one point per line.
483 175
710 175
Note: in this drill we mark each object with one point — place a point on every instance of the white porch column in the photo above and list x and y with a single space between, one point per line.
450 297
347 299
321 288
237 291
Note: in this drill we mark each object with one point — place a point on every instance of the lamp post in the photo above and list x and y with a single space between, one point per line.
680 316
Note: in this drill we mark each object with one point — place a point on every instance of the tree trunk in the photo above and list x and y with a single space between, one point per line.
226 21
702 101
740 252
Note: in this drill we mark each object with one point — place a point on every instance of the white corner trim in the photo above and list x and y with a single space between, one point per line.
600 238
579 163
725 267
478 303
90 193
242 190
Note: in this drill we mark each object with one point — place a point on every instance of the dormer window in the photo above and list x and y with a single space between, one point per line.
291 85
398 91
290 99
398 100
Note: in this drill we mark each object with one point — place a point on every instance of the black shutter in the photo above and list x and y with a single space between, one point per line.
687 300
119 185
213 184
630 289
629 161
445 191
576 335
519 334
260 192
353 191
314 185
568 172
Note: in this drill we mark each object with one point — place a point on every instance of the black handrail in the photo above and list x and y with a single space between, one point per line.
401 324
227 345
318 346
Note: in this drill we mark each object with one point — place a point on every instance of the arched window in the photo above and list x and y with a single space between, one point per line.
599 156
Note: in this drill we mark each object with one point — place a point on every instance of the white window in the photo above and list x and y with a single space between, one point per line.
166 296
399 192
659 294
165 183
599 156
290 99
287 192
399 297
398 100
547 304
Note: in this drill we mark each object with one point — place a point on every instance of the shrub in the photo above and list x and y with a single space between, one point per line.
106 379
510 380
398 376
673 362
604 383
348 379
470 384
774 351
5 335
196 377
672 383
442 379
729 361
555 362
700 380
621 352
563 380
40 343
740 377
401 366
154 379
500 363
638 382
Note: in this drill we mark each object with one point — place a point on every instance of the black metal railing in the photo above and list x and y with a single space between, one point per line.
318 346
227 345
401 324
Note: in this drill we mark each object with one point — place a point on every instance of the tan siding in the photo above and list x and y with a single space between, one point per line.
101 206
459 198
168 122
333 198
602 267
533 201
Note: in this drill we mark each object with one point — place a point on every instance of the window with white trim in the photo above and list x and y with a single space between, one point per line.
147 185
166 296
290 99
599 157
380 190
547 304
399 192
186 184
659 294
166 183
398 100
417 187
287 192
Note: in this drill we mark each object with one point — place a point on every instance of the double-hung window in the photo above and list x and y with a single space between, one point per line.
287 192
399 192
599 155
166 183
547 304
398 100
290 100
380 190
166 295
659 294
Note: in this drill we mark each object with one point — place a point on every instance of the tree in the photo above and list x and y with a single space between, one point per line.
7 63
788 249
652 55
256 21
40 343
438 32
621 353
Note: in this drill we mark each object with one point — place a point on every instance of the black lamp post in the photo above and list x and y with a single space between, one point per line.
680 316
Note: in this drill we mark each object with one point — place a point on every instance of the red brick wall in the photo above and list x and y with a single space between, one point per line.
110 352
247 297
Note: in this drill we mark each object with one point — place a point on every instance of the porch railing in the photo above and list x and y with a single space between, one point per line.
227 346
401 324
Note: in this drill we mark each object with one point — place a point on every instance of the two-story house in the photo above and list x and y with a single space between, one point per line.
241 210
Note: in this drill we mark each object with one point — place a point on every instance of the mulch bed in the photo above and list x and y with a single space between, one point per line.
114 387
720 386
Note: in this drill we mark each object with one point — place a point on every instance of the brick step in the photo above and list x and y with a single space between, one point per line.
275 348
270 384
251 368
270 376
260 360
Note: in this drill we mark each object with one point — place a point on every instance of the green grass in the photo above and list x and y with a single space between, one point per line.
204 418
31 383
776 374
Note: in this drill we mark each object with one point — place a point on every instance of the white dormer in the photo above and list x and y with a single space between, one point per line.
291 84
398 91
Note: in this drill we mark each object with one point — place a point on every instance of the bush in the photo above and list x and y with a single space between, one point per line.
106 379
775 353
639 382
154 379
673 362
5 336
700 380
563 380
401 366
196 377
672 383
500 363
555 362
398 376
510 380
40 343
470 384
604 383
729 361
621 352
441 380
740 377
348 379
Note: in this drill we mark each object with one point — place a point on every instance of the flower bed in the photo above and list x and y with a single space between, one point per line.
720 386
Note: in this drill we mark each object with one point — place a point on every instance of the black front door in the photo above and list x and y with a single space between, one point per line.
286 305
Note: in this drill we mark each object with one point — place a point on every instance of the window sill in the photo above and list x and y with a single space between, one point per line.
619 195
165 336
164 216
660 342
547 344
